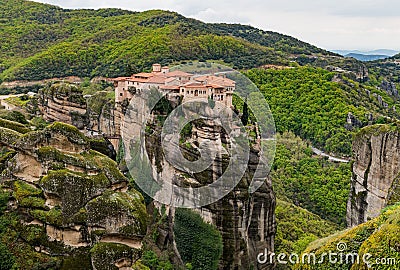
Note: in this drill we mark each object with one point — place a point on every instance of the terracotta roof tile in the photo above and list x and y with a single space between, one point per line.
178 73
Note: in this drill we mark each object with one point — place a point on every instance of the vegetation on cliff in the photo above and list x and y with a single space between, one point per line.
379 237
297 227
199 243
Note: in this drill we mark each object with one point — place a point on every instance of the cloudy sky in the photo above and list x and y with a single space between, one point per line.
330 24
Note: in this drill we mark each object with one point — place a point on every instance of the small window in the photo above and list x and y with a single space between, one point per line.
120 94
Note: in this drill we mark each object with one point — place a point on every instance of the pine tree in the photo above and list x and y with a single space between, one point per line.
245 115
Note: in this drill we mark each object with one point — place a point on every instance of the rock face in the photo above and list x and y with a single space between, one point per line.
390 88
74 196
375 180
245 220
352 122
65 103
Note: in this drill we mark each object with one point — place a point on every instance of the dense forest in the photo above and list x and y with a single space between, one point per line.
42 41
308 102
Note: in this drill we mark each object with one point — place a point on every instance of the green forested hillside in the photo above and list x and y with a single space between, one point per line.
388 69
309 102
42 41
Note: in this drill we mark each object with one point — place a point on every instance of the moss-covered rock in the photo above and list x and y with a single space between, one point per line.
14 116
103 146
23 190
368 131
88 160
45 136
69 131
20 128
27 195
5 157
54 216
121 213
105 256
108 166
68 91
8 136
63 196
75 189
49 153
79 259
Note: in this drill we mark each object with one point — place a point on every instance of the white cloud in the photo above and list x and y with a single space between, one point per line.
339 24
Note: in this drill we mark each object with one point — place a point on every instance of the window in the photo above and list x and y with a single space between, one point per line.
120 94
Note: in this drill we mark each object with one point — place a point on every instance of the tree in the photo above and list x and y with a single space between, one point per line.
245 115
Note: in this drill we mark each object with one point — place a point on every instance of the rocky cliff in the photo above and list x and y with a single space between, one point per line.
65 102
375 181
69 206
245 220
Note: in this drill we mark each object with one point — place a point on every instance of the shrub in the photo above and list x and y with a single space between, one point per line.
199 243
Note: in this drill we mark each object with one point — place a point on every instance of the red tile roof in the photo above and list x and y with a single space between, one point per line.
121 79
212 79
157 79
143 74
178 73
170 87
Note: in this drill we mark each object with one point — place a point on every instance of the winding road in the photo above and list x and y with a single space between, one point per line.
331 158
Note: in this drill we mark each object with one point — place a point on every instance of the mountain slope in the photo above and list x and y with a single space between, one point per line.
378 237
388 69
42 41
319 106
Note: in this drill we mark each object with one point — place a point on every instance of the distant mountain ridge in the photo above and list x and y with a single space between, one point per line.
366 57
385 52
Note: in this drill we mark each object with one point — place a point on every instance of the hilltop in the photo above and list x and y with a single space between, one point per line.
41 41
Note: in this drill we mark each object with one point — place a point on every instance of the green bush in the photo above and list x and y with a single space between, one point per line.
6 258
199 243
15 116
151 260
